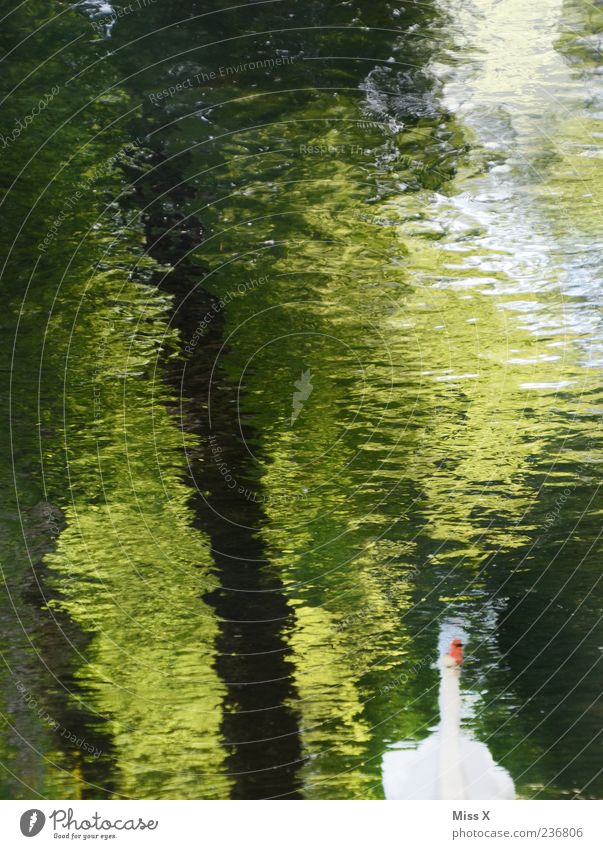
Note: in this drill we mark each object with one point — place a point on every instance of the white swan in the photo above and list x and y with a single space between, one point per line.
447 765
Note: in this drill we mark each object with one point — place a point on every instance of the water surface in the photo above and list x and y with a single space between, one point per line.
302 359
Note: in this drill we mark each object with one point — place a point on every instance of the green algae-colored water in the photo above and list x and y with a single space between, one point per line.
302 349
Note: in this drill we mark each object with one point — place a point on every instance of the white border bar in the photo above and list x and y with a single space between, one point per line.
305 824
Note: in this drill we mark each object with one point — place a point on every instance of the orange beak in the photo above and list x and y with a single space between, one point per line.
456 651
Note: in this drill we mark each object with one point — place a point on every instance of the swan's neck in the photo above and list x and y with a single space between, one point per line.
450 769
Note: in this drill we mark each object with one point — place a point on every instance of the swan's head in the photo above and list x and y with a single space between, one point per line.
454 655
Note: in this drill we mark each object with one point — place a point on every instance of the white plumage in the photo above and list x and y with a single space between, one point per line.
447 765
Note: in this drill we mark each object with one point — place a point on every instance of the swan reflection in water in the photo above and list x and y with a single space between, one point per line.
447 765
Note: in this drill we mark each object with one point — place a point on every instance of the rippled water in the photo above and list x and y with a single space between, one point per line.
303 362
